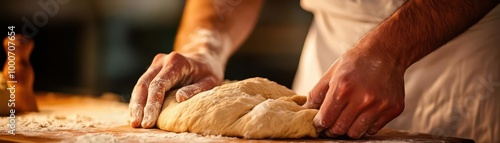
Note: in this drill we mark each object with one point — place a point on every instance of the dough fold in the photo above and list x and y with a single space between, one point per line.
252 108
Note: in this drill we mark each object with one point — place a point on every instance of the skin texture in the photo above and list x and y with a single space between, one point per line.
207 36
364 89
360 93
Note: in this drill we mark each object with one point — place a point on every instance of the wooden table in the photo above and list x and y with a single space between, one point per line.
104 120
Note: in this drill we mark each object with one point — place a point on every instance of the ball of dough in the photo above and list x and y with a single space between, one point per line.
252 108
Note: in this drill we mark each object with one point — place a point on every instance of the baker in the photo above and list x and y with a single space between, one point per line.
363 62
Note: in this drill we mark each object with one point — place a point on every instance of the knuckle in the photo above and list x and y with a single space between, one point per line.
159 56
358 129
141 83
344 84
339 129
316 92
321 123
369 99
174 53
398 108
177 61
313 101
341 92
160 82
395 110
338 96
339 99
336 131
176 56
135 107
158 85
383 104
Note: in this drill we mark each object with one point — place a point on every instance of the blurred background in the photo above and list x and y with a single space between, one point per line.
93 46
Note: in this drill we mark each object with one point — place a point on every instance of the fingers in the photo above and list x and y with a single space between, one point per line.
377 125
175 68
329 111
139 96
317 94
166 79
361 124
357 117
156 92
383 120
189 91
165 72
343 122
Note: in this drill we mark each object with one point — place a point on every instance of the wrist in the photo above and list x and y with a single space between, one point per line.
383 52
208 47
203 42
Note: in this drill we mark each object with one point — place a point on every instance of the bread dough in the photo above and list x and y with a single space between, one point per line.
252 108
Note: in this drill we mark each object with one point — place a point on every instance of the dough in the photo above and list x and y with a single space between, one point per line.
252 108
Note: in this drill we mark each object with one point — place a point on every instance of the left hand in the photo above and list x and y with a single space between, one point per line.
360 93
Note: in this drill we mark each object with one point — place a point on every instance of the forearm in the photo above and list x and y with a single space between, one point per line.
419 27
217 27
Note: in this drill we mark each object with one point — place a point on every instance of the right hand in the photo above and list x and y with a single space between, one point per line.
191 72
360 93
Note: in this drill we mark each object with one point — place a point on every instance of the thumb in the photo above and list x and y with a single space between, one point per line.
189 91
317 95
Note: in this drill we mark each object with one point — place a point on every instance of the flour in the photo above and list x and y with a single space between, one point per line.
214 46
252 108
42 122
96 138
146 137
71 113
84 119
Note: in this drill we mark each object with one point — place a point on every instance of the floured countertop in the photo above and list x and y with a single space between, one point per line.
70 118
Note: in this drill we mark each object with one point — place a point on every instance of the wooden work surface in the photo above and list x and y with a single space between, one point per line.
67 118
125 134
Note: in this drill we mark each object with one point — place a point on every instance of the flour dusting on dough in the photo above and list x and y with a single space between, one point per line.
252 108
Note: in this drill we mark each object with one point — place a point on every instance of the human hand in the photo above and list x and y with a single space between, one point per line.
358 94
194 73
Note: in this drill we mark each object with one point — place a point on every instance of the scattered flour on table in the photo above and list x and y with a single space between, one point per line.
145 137
71 113
96 138
82 119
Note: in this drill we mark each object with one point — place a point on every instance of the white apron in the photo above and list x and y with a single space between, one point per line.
454 91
